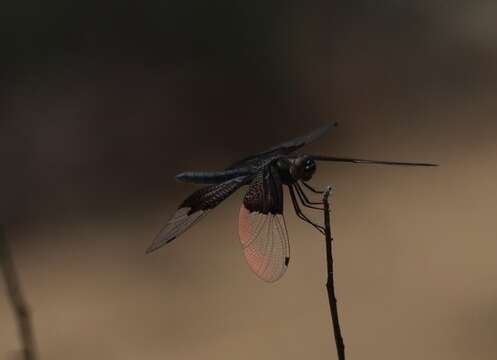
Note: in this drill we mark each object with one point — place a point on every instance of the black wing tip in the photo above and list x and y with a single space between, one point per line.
421 164
329 126
152 248
287 261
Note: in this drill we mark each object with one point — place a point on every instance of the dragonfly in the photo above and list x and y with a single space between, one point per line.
261 224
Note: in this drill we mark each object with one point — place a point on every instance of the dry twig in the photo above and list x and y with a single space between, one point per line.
330 285
16 298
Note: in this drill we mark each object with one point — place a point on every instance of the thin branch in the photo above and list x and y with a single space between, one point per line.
17 301
330 285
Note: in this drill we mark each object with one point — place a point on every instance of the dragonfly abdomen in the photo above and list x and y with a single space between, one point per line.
212 177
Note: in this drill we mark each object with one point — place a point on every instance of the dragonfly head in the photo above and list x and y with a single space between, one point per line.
303 167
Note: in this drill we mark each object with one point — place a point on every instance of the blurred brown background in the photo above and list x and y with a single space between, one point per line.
102 103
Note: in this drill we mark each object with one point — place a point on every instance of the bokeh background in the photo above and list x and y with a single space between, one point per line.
101 103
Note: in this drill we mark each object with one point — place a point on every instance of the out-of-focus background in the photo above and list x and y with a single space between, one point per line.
102 103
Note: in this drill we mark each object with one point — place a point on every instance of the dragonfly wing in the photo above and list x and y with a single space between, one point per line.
295 144
193 208
262 228
286 148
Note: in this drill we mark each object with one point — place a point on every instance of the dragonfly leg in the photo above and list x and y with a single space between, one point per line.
305 201
303 197
299 212
311 188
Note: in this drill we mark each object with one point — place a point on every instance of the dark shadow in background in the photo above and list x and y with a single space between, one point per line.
109 98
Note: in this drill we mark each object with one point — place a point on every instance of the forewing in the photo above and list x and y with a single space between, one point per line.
265 157
262 227
194 208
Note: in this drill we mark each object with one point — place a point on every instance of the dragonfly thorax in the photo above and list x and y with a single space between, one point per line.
295 169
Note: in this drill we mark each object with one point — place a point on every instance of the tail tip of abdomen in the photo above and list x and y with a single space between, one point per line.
181 177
